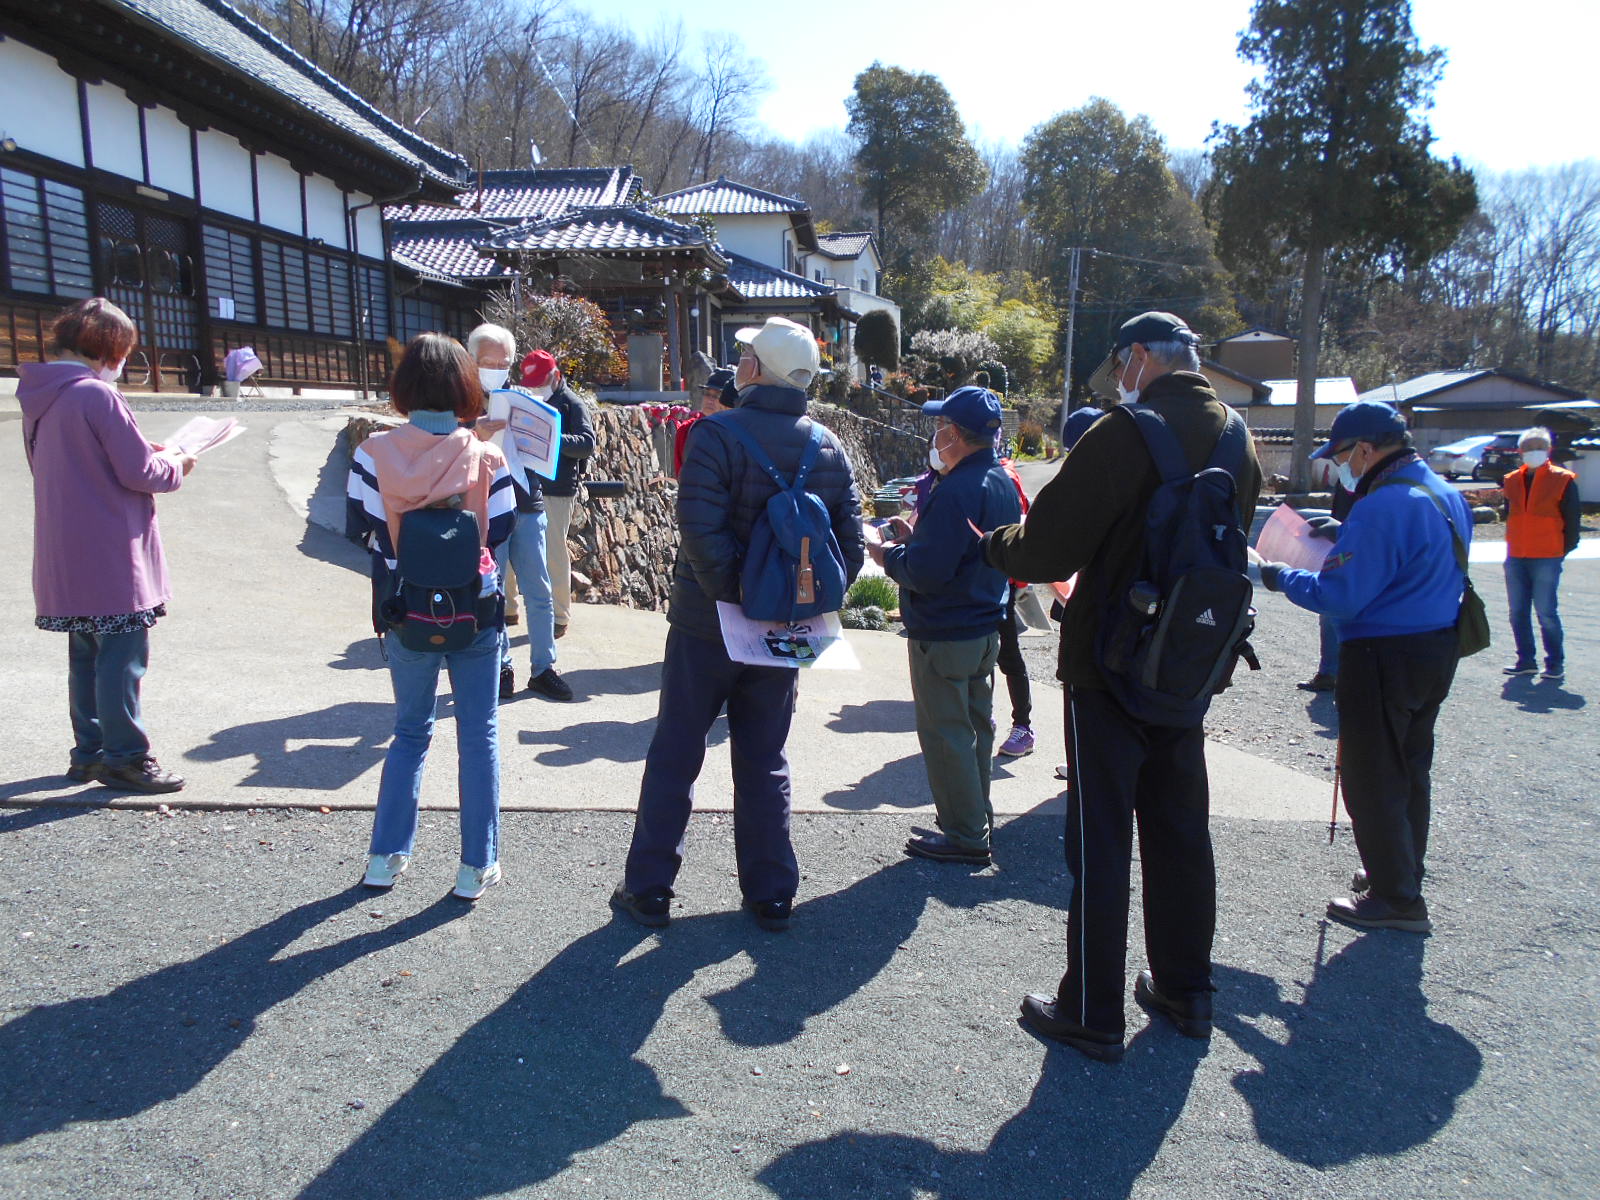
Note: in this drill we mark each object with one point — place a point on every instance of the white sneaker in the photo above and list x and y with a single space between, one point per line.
472 882
384 869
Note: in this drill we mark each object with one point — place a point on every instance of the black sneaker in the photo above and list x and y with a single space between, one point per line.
1191 1015
1520 668
653 908
549 685
87 772
1369 912
941 849
771 915
508 682
1039 1015
1320 682
141 775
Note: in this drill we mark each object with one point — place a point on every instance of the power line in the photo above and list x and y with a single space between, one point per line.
1150 262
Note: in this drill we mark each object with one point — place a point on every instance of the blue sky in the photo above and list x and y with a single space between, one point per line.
1518 90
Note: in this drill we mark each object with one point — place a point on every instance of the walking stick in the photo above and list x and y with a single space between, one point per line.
1338 763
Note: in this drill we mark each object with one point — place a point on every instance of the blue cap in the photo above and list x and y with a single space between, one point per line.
974 408
1077 424
1361 422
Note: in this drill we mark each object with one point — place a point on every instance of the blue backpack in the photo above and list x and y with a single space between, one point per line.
793 569
434 601
1171 642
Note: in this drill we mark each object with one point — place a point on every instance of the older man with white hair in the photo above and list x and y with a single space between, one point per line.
1543 520
493 348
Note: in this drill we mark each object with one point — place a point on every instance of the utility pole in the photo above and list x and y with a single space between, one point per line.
1072 313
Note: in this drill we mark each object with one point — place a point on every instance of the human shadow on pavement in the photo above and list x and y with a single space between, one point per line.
876 716
363 654
56 786
330 748
612 741
578 1025
14 820
902 783
102 1058
1323 714
1088 1131
589 682
1363 1069
1540 695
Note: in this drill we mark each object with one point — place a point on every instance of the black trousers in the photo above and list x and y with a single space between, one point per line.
1122 768
1013 667
1389 693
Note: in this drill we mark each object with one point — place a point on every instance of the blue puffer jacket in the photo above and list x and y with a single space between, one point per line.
948 591
721 492
1393 570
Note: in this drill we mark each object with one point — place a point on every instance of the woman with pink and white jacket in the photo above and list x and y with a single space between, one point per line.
99 574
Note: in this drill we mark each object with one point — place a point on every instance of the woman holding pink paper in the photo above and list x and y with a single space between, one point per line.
99 574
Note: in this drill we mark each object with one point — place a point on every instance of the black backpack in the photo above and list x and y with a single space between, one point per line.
434 602
1171 642
793 568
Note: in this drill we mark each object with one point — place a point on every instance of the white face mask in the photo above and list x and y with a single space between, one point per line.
934 460
114 372
1347 477
492 377
1535 458
1129 395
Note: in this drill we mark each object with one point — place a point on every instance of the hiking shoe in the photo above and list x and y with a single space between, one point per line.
1039 1015
1320 682
1369 912
1359 882
561 630
508 682
1190 1015
472 882
1520 669
141 775
941 849
771 915
1553 674
1019 743
384 869
87 772
652 909
549 685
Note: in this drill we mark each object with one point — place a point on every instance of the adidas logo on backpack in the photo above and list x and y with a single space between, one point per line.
1205 618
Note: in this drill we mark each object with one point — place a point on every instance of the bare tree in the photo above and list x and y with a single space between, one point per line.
730 83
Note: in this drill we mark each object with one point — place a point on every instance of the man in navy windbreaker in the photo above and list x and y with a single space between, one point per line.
1394 585
951 601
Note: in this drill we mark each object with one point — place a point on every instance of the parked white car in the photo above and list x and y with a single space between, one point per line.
1459 458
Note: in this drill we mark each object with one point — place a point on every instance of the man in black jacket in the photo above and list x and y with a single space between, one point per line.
952 602
1090 520
577 447
721 491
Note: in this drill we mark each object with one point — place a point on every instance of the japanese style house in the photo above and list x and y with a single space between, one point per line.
174 156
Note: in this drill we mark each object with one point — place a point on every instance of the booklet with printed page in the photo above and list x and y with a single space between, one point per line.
200 434
817 642
1287 538
532 436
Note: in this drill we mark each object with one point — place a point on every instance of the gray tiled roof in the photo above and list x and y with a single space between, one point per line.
757 281
843 245
217 31
1420 386
537 194
723 197
444 248
602 228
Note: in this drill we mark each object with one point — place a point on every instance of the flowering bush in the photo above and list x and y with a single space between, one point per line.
573 329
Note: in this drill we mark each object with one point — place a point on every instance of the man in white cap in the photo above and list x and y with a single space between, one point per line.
721 491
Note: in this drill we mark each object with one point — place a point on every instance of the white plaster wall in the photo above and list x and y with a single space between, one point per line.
171 155
280 194
325 211
759 237
369 227
114 131
41 106
225 175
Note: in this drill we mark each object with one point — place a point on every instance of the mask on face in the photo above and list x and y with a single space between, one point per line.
1129 395
1347 476
1535 458
114 372
492 377
934 460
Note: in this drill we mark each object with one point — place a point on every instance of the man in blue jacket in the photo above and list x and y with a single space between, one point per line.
951 601
721 492
1394 585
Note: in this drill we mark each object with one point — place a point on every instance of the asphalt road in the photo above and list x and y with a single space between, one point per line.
198 1004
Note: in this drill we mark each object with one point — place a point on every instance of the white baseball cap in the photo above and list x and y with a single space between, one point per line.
786 350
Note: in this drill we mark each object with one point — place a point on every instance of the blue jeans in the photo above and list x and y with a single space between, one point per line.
524 549
103 675
1328 646
1531 584
474 694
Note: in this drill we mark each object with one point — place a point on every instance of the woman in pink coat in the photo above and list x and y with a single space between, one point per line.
98 572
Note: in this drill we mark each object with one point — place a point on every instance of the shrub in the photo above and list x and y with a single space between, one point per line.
877 590
573 329
870 617
1030 437
878 339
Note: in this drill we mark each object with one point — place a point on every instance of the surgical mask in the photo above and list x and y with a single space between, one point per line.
934 460
1129 395
1347 477
114 372
1535 458
492 377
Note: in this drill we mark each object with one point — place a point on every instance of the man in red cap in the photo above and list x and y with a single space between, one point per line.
539 370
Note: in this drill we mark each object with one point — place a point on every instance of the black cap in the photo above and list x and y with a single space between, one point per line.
1155 327
718 379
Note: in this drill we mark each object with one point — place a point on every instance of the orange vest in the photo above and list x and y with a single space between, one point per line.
1533 519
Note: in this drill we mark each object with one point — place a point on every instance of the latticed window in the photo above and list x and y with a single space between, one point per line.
46 228
230 274
374 282
418 316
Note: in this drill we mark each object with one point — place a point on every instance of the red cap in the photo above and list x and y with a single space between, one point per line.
537 368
